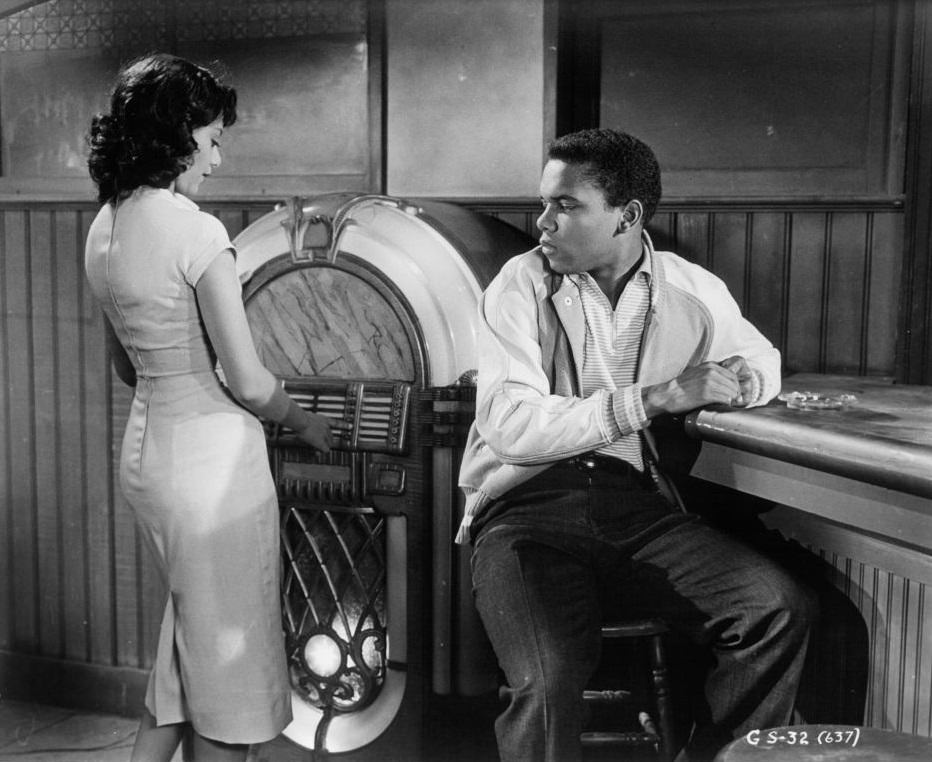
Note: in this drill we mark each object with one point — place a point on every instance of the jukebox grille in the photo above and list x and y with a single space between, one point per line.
333 603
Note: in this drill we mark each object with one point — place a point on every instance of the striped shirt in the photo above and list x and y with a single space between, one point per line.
613 345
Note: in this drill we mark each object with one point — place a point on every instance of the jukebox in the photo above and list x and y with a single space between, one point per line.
365 308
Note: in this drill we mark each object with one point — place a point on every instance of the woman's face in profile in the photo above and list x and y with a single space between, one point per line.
205 157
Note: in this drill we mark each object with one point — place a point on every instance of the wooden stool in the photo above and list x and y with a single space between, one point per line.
827 743
656 735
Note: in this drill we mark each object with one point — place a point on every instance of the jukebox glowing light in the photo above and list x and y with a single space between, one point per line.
323 655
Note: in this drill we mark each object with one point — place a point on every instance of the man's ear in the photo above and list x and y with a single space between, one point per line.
631 214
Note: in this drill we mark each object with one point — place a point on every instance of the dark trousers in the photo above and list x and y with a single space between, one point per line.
554 554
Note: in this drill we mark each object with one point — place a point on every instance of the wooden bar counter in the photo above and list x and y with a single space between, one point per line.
868 465
854 486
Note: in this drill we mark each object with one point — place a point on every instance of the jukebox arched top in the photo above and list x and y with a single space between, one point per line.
433 258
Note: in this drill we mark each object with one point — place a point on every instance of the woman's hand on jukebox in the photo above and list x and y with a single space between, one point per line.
321 432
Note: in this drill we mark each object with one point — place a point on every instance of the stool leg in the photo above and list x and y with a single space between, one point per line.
661 683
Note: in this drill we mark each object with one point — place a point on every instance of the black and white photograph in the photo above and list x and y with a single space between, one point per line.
466 381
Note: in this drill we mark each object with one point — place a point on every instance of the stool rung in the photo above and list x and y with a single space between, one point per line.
607 696
638 628
606 738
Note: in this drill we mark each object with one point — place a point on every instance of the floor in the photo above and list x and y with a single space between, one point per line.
32 732
38 733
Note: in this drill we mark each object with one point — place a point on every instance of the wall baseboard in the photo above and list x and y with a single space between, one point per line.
77 685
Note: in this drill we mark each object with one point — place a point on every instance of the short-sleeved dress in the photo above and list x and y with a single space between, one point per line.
195 470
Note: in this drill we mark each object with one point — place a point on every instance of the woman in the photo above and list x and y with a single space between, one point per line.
193 464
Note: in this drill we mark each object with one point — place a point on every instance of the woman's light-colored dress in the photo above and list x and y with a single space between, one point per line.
194 469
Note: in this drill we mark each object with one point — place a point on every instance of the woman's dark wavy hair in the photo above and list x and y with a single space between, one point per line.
146 139
624 167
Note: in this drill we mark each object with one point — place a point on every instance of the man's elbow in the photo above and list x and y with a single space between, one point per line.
506 444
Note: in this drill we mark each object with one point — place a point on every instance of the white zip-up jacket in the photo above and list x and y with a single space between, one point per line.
532 338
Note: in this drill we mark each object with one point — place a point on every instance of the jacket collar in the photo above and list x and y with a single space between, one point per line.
567 305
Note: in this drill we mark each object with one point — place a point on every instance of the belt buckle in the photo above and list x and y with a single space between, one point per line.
586 462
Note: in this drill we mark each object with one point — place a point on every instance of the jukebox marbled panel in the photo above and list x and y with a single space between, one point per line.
322 321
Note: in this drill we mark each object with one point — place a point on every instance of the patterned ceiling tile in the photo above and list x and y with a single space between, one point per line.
68 24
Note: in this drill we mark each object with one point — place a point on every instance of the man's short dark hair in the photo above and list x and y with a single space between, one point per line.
622 166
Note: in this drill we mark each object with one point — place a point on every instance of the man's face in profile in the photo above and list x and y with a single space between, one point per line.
577 226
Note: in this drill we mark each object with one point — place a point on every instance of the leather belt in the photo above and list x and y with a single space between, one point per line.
591 462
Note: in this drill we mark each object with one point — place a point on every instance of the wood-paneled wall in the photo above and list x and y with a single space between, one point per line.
821 280
76 585
77 590
889 585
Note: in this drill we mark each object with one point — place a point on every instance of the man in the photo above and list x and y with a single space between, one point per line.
586 339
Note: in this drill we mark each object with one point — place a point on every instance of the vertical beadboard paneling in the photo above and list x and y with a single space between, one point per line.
7 569
889 585
86 589
885 254
662 228
232 220
764 274
910 657
692 237
730 246
21 436
846 287
45 425
923 720
896 612
803 348
69 450
98 540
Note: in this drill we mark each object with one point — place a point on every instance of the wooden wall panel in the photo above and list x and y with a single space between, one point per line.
885 274
693 231
746 99
764 273
7 568
802 347
86 591
889 585
729 251
92 379
820 279
20 434
845 281
69 442
47 547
